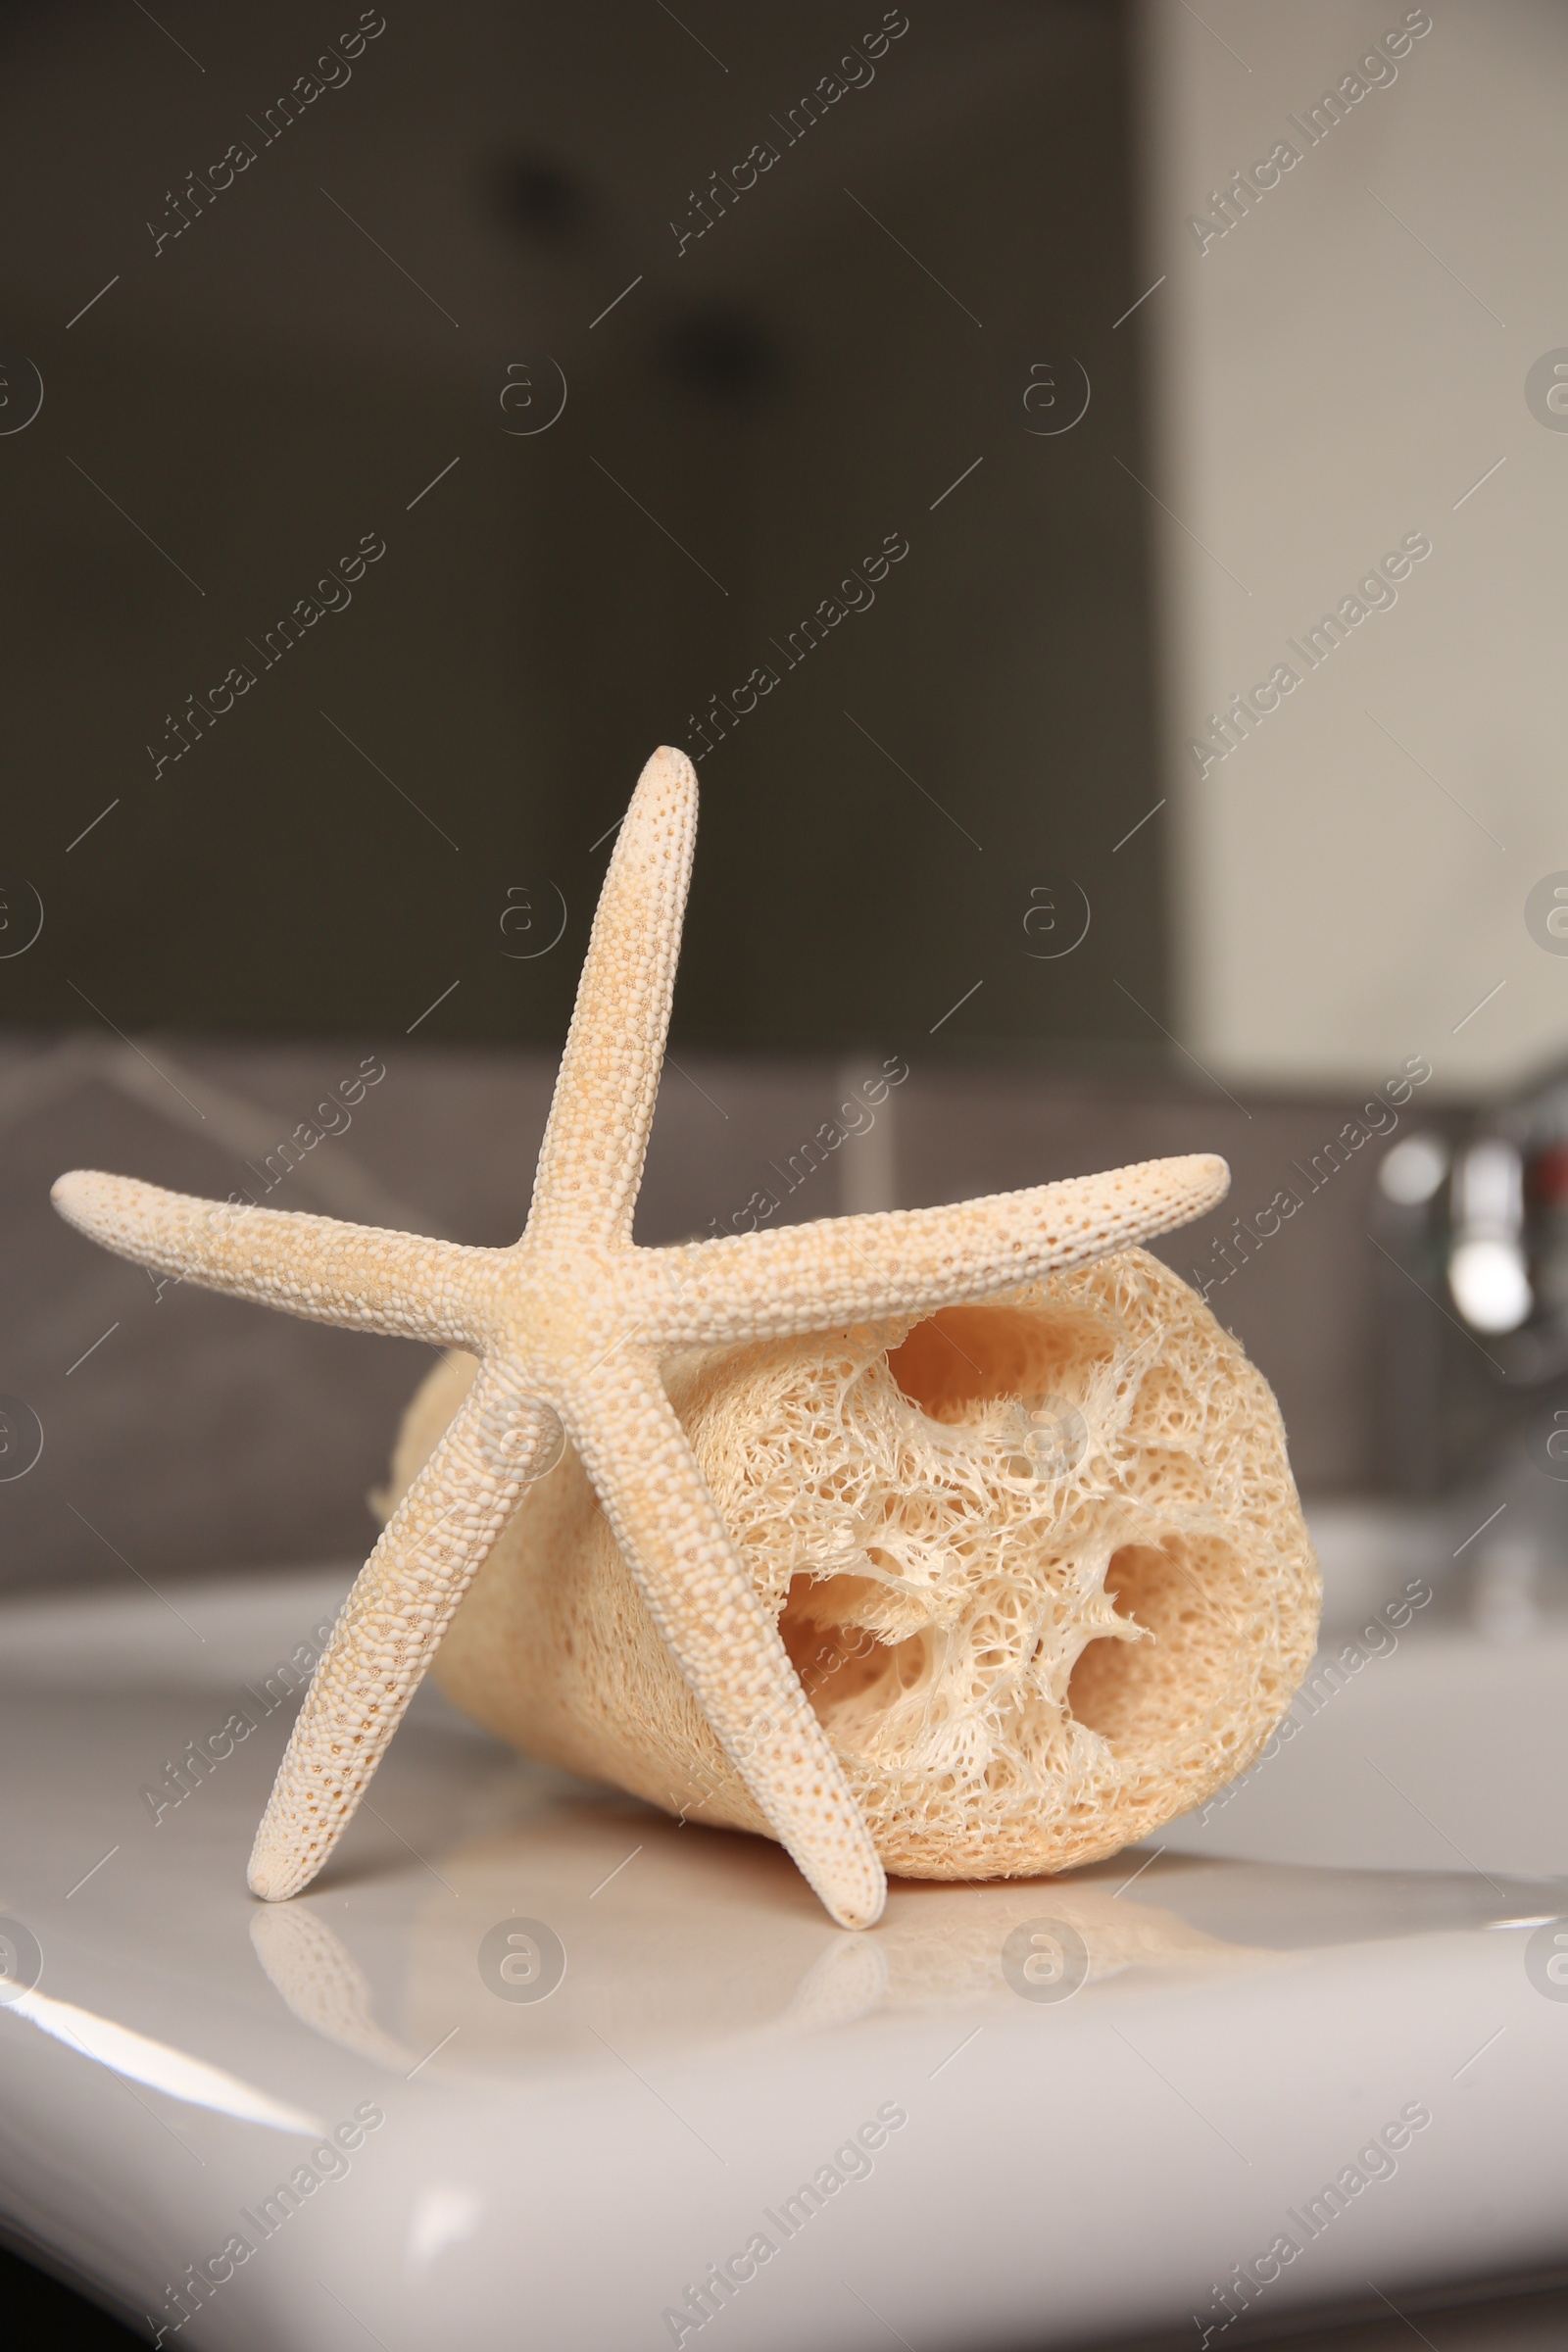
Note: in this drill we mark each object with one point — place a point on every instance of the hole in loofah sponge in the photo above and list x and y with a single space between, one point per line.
833 1651
1142 1695
965 1356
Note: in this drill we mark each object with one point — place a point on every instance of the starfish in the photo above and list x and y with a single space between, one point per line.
569 1324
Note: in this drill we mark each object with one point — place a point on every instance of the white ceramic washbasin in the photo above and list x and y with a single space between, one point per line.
1357 1936
1446 1753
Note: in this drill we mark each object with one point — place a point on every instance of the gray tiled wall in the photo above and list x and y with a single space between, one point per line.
185 1433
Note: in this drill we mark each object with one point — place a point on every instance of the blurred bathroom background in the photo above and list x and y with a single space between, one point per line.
1087 482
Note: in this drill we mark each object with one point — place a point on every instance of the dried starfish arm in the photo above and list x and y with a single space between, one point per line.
591 1162
724 1640
393 1620
357 1275
804 1278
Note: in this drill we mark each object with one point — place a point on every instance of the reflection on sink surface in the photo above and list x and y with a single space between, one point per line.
399 1971
1213 2023
711 1968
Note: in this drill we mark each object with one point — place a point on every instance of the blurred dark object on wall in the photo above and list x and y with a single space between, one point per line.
394 494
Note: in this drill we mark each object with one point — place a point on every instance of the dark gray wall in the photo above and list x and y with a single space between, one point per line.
759 413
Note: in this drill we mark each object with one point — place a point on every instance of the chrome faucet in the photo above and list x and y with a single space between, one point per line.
1475 1395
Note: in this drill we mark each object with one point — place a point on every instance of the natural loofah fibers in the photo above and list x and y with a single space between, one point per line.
1040 1564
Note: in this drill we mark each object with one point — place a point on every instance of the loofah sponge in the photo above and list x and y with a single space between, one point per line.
1040 1564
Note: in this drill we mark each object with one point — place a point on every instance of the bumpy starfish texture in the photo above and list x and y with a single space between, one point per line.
570 1323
